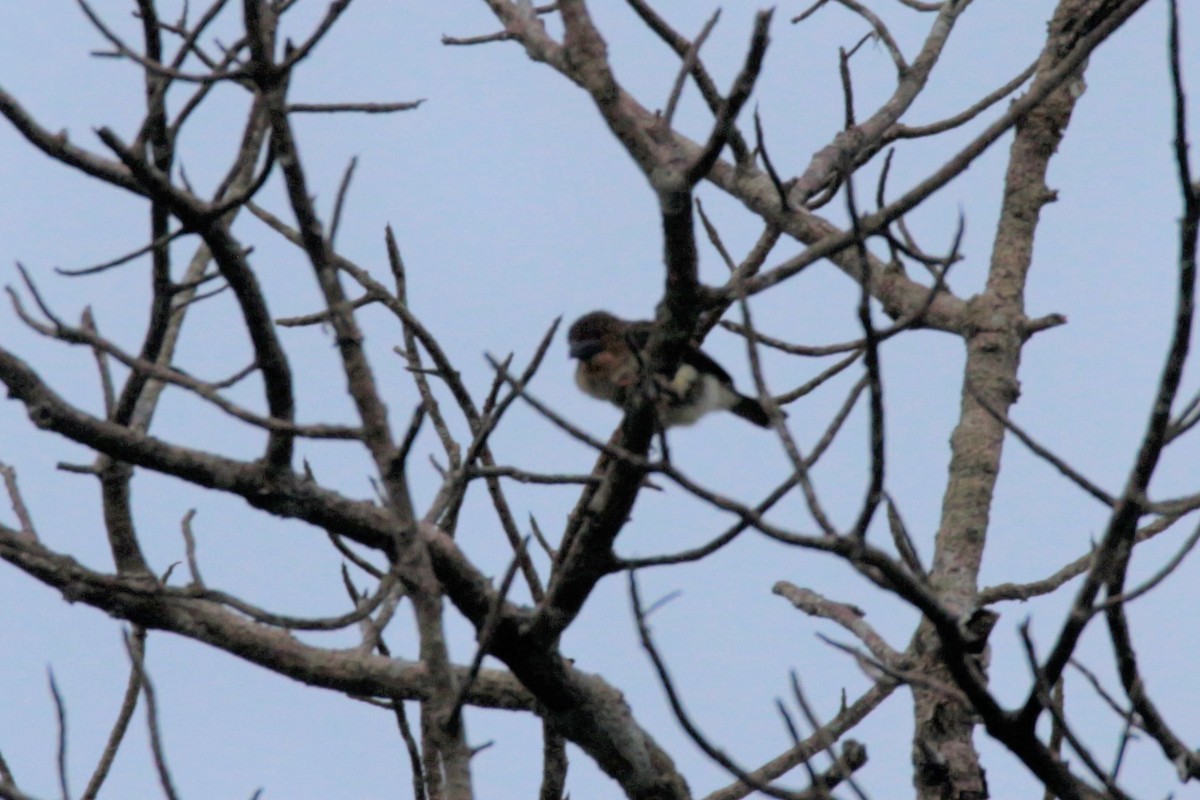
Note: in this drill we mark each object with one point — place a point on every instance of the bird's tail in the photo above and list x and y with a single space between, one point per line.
751 410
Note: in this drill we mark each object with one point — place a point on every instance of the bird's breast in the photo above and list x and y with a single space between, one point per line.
692 394
606 376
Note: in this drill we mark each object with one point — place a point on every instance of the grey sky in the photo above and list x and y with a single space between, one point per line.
513 205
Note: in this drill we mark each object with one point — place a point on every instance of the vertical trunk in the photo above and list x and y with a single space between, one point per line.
945 760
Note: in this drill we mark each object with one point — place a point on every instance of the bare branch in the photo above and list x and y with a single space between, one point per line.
125 259
881 33
689 62
847 616
554 765
485 635
801 752
133 689
322 317
1158 577
153 67
704 82
1115 546
681 715
359 108
58 147
464 41
785 437
207 391
874 491
812 720
24 519
1044 453
61 712
301 51
189 541
7 782
743 85
1026 591
901 131
1047 696
137 656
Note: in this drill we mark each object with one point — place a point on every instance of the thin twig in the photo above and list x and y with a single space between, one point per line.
190 546
137 656
849 716
340 202
524 476
785 437
1045 692
88 323
354 558
739 93
809 386
208 391
874 491
133 689
901 538
1026 591
689 62
24 519
900 131
761 149
1042 452
322 317
61 713
811 716
881 32
681 714
125 259
486 632
362 108
849 617
1155 579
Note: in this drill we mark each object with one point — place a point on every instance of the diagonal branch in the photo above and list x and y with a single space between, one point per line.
726 115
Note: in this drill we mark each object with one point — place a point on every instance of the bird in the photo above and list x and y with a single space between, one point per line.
608 349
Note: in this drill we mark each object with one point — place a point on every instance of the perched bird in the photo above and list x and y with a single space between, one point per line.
609 350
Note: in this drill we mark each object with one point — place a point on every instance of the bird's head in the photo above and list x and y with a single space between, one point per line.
592 334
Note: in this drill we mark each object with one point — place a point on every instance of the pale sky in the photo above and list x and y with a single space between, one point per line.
513 205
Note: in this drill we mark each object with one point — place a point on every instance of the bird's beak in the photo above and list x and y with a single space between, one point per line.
585 349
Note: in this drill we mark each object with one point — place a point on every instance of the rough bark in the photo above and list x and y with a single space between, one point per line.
946 762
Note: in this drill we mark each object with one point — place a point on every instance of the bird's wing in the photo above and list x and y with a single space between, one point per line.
703 364
638 335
